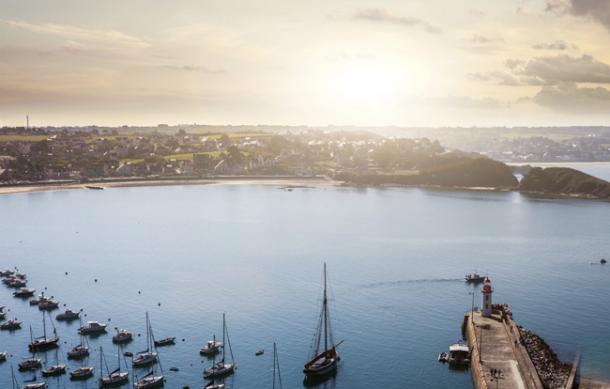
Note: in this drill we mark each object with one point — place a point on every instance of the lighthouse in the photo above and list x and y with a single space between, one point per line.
486 291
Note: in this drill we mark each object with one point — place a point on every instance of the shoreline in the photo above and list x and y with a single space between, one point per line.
287 181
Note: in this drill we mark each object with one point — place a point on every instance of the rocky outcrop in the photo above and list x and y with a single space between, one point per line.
561 181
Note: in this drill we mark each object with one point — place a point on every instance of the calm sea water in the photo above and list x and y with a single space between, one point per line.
396 258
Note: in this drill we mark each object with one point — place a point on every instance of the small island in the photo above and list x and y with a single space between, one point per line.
565 182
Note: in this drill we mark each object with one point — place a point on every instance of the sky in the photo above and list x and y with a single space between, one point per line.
314 62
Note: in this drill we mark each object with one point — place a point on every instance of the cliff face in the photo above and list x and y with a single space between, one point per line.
463 172
564 181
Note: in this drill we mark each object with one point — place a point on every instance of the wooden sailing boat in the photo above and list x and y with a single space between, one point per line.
222 368
323 361
43 343
114 378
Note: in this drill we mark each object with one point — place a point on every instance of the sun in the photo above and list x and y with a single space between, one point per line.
363 83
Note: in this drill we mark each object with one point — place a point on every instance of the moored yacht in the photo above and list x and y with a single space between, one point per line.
43 342
11 325
68 315
114 378
459 354
92 328
474 278
150 381
81 373
55 370
30 364
122 336
148 356
24 292
211 347
222 368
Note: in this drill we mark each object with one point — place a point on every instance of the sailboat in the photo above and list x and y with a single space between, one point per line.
323 362
115 378
222 368
151 379
81 373
55 370
34 385
212 384
79 351
43 343
146 357
276 367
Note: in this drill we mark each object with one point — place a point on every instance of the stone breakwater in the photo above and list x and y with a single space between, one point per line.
553 373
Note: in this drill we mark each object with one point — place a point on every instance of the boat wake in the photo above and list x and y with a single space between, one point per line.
406 282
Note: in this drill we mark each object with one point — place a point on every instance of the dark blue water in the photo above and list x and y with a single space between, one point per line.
396 258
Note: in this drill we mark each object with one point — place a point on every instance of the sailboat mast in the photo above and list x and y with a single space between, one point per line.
148 333
325 312
44 326
101 361
223 337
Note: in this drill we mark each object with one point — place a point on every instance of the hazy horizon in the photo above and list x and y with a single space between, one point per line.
366 63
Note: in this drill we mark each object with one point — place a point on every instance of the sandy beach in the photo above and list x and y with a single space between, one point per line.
287 182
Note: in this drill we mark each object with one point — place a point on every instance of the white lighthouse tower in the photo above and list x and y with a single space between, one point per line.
486 290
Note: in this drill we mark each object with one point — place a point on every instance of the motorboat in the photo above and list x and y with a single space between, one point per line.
24 292
165 342
30 364
11 325
323 361
211 347
48 305
92 328
474 278
222 368
149 381
68 315
122 336
459 353
3 356
81 373
6 273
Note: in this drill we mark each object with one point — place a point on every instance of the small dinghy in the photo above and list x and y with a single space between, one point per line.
165 342
3 357
259 353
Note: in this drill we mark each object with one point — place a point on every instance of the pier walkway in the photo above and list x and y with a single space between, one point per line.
499 361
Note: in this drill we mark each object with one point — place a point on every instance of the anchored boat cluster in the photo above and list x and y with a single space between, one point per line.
322 364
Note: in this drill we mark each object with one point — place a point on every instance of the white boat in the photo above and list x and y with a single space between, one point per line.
149 381
211 347
459 354
35 385
323 361
92 328
221 368
146 357
122 336
114 378
2 357
81 373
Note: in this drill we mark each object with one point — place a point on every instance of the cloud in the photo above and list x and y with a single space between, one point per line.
598 10
482 44
563 68
500 78
557 45
380 15
570 97
76 33
192 68
467 102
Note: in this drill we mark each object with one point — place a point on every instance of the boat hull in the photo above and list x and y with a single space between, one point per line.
216 372
322 365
